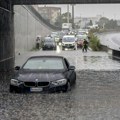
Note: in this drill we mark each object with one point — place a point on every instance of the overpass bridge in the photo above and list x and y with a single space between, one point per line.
7 39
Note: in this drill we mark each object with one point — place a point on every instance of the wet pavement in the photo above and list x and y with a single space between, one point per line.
81 60
95 96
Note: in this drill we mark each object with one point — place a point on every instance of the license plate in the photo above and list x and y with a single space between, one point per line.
36 89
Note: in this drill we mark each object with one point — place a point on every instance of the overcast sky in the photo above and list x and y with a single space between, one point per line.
111 11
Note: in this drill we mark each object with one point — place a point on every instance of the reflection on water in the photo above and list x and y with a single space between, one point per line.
95 63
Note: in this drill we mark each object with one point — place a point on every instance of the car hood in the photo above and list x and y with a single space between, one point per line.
68 42
46 76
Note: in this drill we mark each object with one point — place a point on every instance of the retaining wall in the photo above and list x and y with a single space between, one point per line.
27 27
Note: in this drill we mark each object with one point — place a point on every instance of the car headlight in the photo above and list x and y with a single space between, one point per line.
15 82
59 82
60 43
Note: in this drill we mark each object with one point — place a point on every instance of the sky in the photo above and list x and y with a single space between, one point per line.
111 11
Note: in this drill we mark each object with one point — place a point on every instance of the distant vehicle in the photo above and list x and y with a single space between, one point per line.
49 44
43 74
67 26
80 39
61 34
82 33
87 31
54 34
69 42
93 26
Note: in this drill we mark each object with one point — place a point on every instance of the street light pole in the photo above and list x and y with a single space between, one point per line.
73 16
68 13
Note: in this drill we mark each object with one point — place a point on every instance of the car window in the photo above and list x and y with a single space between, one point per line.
44 64
49 42
68 39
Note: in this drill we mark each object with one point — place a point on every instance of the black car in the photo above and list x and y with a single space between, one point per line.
43 74
49 44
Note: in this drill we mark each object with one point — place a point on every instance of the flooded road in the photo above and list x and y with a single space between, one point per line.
81 60
96 95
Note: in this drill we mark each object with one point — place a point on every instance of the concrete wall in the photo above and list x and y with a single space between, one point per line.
6 36
27 27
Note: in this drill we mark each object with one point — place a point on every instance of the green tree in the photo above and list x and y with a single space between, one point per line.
59 21
65 16
94 42
103 21
111 24
63 19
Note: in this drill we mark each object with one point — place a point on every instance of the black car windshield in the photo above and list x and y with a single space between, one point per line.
68 39
49 41
82 33
44 64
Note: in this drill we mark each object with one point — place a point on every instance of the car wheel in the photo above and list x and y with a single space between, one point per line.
68 87
75 79
11 90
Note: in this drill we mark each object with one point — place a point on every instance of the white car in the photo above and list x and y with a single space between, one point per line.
69 42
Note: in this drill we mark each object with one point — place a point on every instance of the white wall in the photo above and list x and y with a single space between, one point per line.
26 28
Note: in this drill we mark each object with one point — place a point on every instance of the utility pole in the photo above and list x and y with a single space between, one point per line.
68 13
73 16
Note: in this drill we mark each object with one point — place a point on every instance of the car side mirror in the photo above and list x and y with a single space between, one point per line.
17 68
71 67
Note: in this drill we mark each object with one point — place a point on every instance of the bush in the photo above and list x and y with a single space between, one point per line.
94 43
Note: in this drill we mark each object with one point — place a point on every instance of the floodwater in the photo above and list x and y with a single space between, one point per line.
95 63
96 95
81 60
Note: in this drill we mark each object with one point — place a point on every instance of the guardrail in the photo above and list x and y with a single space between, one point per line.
33 10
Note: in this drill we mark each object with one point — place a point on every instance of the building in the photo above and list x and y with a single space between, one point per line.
49 13
84 21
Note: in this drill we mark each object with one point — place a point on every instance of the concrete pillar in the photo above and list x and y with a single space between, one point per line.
6 36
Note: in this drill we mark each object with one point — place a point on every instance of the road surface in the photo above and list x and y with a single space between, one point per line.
96 95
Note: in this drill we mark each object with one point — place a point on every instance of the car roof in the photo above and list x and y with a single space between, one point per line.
46 56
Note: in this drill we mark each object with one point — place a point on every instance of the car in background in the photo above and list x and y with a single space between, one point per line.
43 74
87 31
82 33
69 42
49 44
80 40
54 34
